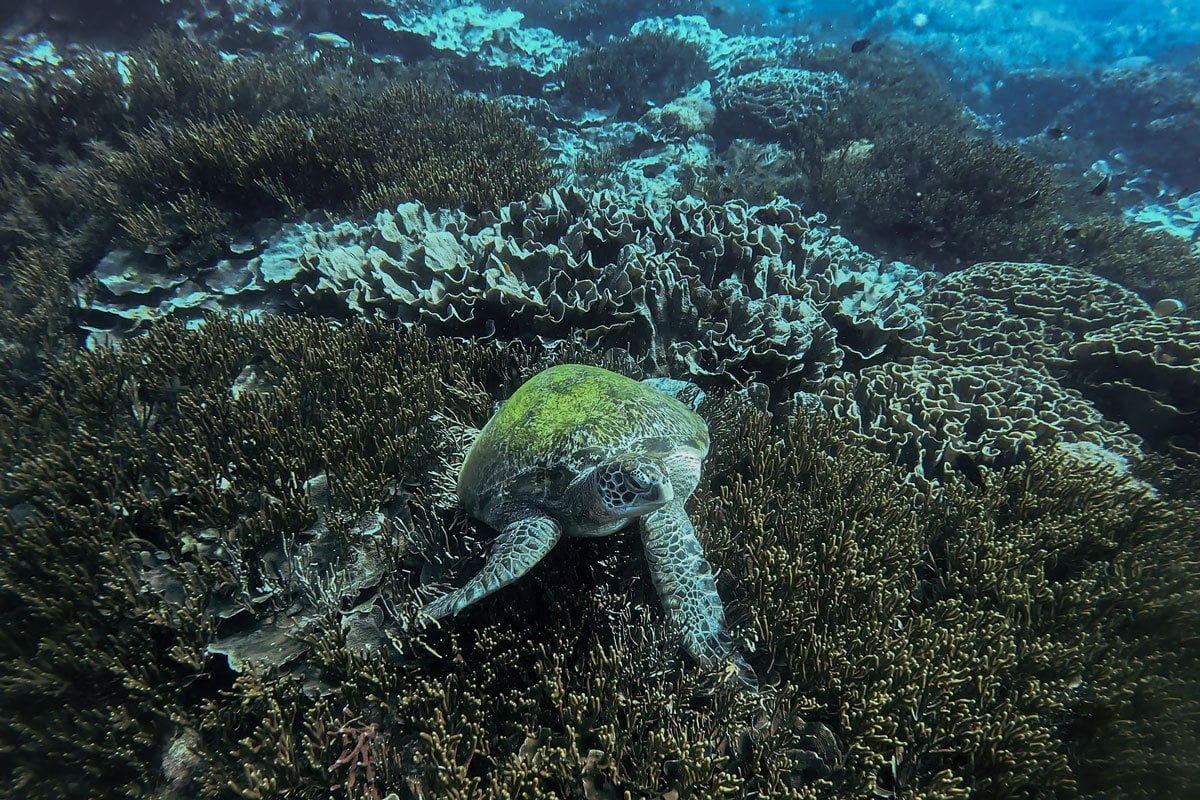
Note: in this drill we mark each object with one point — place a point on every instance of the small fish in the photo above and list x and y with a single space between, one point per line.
1029 202
860 45
1101 187
1168 307
1056 133
330 40
785 9
716 11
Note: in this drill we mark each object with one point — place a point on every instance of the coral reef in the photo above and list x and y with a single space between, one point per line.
581 19
940 191
753 171
778 100
1149 110
731 293
177 149
490 39
1023 637
259 285
1154 263
1146 370
932 418
1025 313
634 72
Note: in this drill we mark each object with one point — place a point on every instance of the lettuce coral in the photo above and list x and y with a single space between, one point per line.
729 293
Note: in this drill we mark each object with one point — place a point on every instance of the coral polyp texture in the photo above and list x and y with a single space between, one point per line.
241 515
731 294
1146 370
268 268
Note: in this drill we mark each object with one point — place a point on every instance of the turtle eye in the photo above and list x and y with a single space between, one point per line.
636 482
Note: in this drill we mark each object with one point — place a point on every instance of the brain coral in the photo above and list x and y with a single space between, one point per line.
730 292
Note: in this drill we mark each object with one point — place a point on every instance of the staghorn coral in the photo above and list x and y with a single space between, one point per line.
1027 637
933 418
1146 370
615 73
937 190
178 186
153 474
731 293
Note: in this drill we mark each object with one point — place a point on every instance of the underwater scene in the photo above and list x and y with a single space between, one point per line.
600 399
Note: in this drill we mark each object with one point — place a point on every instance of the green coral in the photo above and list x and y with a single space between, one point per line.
1029 636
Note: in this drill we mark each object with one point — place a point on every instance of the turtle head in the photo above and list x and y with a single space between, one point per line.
631 486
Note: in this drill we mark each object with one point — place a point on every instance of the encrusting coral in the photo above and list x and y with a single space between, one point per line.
1029 635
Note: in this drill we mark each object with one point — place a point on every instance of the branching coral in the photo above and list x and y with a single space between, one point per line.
177 149
1154 263
633 72
1027 636
936 190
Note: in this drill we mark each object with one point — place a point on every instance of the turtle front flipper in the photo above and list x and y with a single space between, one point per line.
523 543
684 580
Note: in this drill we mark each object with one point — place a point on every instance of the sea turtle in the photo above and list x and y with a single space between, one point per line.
582 451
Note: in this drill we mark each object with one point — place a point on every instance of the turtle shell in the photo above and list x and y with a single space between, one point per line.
564 421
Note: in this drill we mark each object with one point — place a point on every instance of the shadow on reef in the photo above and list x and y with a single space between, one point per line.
178 150
213 539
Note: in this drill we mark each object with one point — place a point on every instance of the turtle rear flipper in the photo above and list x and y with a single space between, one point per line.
524 543
684 580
